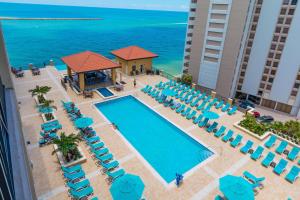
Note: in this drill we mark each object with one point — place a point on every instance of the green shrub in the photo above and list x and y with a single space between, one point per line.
186 79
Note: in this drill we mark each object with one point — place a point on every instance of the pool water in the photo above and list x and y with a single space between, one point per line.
105 92
61 67
164 146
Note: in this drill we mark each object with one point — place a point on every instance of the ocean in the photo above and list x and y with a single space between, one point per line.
38 41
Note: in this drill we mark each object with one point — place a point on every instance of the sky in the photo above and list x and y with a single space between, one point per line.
176 5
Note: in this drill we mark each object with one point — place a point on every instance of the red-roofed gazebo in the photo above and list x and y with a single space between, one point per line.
89 70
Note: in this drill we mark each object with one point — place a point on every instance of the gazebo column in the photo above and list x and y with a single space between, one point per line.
69 72
81 81
113 75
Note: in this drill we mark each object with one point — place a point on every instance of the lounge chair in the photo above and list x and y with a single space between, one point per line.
104 158
220 104
212 127
78 185
92 140
153 93
186 112
156 94
198 119
226 107
148 89
74 176
195 102
186 96
228 136
246 147
271 141
159 84
180 109
179 95
110 166
220 132
232 110
257 153
293 174
249 176
190 99
282 146
71 169
201 106
145 88
298 162
203 123
162 99
237 141
191 115
268 159
115 174
101 152
213 102
293 154
218 197
96 146
84 193
280 167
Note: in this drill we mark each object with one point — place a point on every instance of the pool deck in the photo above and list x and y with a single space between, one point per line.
200 183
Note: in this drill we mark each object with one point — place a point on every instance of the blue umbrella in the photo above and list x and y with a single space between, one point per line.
235 187
45 110
210 115
168 92
84 122
127 187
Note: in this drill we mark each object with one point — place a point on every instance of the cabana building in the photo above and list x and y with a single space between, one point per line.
89 70
134 60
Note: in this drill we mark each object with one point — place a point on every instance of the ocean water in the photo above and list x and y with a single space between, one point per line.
161 32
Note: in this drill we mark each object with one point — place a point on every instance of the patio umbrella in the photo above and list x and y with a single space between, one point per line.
168 92
45 110
84 122
235 187
210 115
127 187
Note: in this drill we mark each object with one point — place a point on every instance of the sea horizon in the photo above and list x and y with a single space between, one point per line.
162 32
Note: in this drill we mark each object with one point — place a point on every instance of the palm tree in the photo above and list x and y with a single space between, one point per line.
48 104
67 145
46 108
39 91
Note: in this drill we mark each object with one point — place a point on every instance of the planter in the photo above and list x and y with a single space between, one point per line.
68 164
45 119
262 137
37 100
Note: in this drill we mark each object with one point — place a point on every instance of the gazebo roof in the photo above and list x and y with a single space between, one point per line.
133 53
88 61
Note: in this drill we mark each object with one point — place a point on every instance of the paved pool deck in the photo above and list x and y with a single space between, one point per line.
200 183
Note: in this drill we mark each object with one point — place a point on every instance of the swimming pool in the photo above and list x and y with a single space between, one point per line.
164 146
61 67
105 93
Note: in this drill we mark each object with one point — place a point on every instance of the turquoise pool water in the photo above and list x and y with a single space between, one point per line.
164 146
105 92
61 67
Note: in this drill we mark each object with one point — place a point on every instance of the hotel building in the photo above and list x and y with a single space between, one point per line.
246 49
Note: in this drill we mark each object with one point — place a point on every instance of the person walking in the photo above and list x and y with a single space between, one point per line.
134 82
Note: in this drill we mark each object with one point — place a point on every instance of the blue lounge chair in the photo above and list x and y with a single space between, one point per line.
246 147
203 123
220 132
145 88
175 106
159 84
257 153
198 119
212 127
179 95
226 107
271 141
213 102
152 92
191 115
280 167
232 110
180 109
156 94
293 154
183 98
220 104
101 152
115 174
237 141
268 159
202 105
190 99
96 146
92 140
228 136
81 194
252 178
282 146
218 197
187 111
110 166
293 174
71 169
78 185
104 158
195 102
74 176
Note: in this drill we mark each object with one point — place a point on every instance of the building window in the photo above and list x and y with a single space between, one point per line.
191 26
268 62
269 87
259 93
273 46
283 39
192 18
283 11
194 1
190 34
255 19
264 78
285 30
278 29
275 38
251 36
280 47
271 55
280 20
286 2
294 2
273 72
278 56
262 85
193 10
271 80
288 20
188 50
259 2
275 64
291 11
253 28
296 85
266 71
257 10
294 93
